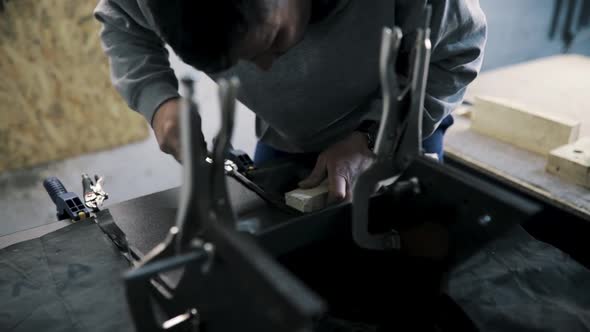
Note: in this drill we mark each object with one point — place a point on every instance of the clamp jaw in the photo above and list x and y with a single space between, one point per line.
399 140
94 194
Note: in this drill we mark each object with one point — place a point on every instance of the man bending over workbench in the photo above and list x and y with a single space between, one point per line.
309 69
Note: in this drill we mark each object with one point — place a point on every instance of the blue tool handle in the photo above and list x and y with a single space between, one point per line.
54 188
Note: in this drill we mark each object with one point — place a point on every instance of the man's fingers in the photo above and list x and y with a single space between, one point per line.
172 147
167 129
317 175
337 188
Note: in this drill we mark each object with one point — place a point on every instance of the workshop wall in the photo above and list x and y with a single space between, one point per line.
522 30
56 98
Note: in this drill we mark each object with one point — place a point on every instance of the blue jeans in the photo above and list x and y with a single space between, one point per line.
433 144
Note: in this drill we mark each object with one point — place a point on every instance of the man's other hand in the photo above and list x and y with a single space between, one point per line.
167 128
341 163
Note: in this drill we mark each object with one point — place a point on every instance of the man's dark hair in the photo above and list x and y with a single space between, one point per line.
203 32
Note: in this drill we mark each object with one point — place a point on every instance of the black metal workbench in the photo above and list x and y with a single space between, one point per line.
516 282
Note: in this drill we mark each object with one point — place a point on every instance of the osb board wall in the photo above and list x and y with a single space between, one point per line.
56 98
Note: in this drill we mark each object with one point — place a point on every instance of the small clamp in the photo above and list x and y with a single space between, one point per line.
94 194
399 140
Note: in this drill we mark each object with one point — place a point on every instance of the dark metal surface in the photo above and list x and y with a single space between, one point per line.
65 281
475 211
320 239
146 220
557 224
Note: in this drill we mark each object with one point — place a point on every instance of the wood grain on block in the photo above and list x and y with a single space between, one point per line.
522 127
572 162
308 200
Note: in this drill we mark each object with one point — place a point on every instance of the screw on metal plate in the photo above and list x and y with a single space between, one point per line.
485 220
189 319
251 226
209 250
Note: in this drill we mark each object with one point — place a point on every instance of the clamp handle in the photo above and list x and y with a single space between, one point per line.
54 188
399 141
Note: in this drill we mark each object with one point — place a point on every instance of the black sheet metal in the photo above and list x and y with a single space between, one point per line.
146 220
518 283
68 280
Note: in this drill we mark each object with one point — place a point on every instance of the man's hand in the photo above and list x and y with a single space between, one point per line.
167 128
342 163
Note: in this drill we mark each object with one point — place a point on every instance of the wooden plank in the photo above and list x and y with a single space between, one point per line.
520 126
572 162
523 168
554 85
519 182
308 200
557 84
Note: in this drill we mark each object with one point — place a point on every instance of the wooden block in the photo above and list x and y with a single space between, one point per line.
556 84
463 110
522 127
572 162
308 200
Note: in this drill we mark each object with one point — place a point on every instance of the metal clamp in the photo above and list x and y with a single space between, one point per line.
94 194
204 244
399 139
204 197
203 201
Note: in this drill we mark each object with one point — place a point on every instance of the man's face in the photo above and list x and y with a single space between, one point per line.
282 27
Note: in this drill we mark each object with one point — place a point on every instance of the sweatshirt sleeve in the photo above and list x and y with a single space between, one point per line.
459 33
140 70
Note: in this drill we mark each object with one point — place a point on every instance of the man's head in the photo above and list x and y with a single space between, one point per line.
212 35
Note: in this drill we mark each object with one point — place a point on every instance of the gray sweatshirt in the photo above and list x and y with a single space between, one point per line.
320 90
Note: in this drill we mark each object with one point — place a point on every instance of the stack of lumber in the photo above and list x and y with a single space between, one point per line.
537 115
549 134
521 126
56 98
530 124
